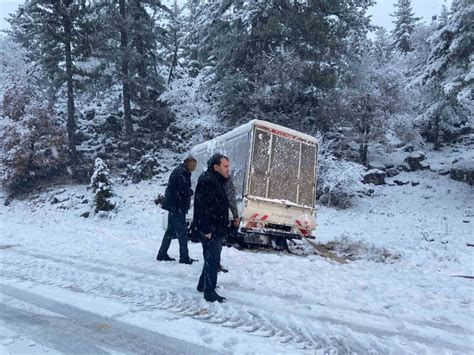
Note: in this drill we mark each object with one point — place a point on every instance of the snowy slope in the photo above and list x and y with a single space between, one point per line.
397 296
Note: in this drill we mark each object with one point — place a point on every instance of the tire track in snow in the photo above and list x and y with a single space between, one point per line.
146 293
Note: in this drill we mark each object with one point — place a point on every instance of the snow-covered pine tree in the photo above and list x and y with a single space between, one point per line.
381 45
405 21
444 15
55 35
278 60
102 186
447 106
131 32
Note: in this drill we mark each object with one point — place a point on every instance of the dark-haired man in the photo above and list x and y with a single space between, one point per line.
211 219
177 202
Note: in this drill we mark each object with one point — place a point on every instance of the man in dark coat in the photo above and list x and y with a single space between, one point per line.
177 202
211 219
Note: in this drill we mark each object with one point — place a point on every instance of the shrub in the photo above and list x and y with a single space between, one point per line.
102 187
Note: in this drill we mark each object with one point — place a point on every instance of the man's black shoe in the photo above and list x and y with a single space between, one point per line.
222 269
212 296
187 261
164 258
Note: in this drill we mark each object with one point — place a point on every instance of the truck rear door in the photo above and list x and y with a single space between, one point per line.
282 167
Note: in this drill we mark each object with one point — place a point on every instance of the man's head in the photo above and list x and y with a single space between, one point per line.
219 163
190 163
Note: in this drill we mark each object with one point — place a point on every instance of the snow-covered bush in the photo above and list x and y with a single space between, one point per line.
33 145
102 187
405 130
338 180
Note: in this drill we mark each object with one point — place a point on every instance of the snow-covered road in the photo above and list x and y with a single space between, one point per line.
72 330
103 272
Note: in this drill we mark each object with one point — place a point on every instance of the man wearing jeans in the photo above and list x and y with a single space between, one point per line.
177 202
211 219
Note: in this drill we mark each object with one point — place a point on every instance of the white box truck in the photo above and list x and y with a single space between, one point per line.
274 172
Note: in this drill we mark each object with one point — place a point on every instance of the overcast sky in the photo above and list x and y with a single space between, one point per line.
380 12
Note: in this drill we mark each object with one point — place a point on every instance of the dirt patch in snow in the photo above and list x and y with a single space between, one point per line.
361 250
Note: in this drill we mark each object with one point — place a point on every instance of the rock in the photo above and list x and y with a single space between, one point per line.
375 176
414 161
85 214
401 183
463 171
409 148
415 183
377 166
391 172
85 201
425 165
403 167
54 201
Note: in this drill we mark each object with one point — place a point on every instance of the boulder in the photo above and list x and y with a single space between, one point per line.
375 176
463 170
392 172
415 161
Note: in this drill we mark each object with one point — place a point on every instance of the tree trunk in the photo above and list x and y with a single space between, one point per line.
436 133
142 68
363 153
71 121
175 43
127 114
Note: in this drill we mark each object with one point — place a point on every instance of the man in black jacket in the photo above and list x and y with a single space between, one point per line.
211 219
177 202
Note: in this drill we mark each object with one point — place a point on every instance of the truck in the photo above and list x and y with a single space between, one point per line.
274 171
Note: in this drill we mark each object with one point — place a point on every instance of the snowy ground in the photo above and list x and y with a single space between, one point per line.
75 285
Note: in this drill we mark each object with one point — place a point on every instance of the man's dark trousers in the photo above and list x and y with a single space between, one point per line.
211 250
176 229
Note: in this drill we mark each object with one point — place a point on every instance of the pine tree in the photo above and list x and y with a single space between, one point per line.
443 17
102 186
405 22
278 59
381 45
447 107
130 36
55 35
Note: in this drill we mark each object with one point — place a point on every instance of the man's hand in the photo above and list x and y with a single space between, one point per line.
236 222
208 236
